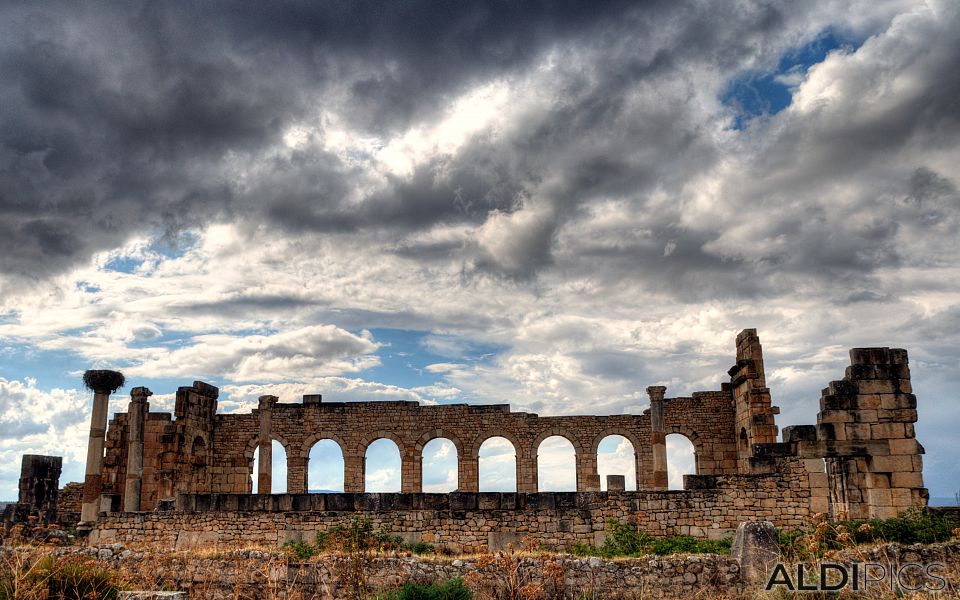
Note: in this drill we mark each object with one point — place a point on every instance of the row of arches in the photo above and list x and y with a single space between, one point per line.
556 465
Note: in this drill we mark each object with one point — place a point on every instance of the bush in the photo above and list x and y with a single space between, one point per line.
302 550
452 589
624 540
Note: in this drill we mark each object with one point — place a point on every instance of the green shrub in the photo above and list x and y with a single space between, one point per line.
302 550
624 540
452 589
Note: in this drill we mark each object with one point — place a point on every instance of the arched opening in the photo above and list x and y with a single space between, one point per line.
556 465
439 466
278 480
382 467
325 468
681 460
497 465
617 456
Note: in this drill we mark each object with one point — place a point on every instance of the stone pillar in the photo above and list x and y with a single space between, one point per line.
468 474
136 415
658 439
354 472
297 474
588 476
526 471
265 471
102 383
411 471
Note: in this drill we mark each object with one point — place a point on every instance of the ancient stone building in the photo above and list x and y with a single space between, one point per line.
38 490
859 460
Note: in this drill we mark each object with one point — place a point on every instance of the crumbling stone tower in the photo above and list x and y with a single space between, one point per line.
873 459
754 421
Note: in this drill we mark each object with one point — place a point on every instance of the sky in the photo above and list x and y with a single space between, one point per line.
546 204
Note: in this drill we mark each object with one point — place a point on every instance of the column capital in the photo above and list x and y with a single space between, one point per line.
656 392
267 402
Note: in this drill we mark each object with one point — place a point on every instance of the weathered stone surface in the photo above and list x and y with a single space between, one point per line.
755 548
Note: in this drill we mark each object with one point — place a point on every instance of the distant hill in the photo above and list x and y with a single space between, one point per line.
324 491
943 501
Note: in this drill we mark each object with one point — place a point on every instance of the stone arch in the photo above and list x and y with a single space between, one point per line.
672 462
486 436
630 437
438 433
578 446
373 436
254 442
633 439
580 472
317 436
357 471
692 435
417 458
490 433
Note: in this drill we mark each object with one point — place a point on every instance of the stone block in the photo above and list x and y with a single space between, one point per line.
756 548
869 356
881 431
340 502
616 483
463 500
488 500
800 433
906 479
905 446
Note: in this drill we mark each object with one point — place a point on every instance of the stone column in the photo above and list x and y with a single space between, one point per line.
354 472
588 476
102 383
411 471
468 474
658 439
527 471
265 470
297 474
136 414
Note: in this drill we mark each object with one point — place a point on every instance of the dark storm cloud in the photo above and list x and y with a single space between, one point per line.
125 118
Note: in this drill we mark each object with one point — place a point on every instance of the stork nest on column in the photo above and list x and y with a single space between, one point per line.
103 381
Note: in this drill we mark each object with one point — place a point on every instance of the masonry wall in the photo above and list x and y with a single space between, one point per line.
202 452
471 522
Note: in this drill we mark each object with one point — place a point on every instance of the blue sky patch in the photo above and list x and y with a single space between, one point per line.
755 94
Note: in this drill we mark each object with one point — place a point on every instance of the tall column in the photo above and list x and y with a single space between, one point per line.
265 470
102 383
658 439
136 413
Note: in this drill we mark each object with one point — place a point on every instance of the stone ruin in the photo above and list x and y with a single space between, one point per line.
38 494
860 460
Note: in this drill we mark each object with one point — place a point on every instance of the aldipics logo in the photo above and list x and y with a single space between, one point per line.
859 577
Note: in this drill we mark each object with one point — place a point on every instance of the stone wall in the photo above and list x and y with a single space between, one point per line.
262 574
472 522
199 454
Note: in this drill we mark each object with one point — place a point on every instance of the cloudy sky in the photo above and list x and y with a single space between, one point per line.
547 204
